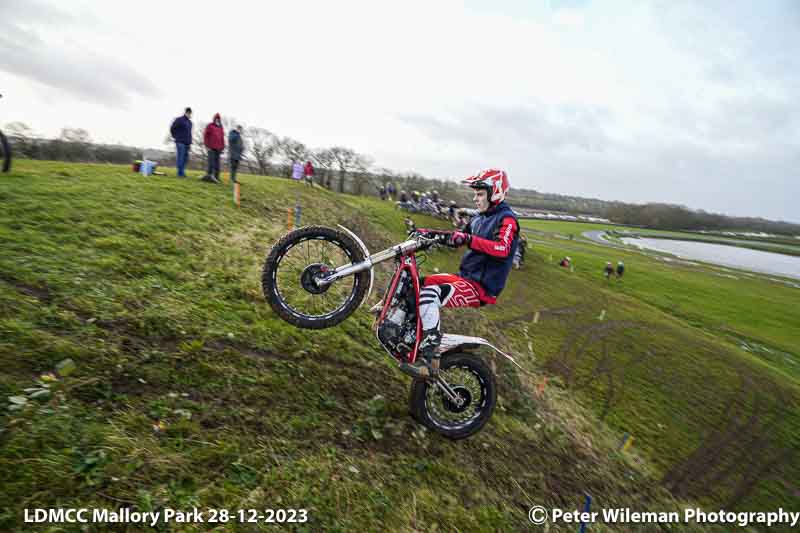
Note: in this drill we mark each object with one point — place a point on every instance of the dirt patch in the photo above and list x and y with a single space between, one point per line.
42 294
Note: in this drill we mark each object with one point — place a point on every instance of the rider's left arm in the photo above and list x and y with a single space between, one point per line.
500 247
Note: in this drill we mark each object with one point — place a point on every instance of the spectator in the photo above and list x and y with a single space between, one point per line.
382 192
609 270
391 190
235 150
297 170
519 255
464 217
308 171
565 262
181 131
214 139
620 269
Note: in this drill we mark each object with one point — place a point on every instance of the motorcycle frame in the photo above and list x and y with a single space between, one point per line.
405 263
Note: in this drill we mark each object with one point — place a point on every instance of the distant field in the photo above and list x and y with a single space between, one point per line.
577 228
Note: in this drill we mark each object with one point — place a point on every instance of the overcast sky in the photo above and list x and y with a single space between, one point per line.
693 103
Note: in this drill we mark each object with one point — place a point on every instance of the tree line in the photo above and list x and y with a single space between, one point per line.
338 167
345 170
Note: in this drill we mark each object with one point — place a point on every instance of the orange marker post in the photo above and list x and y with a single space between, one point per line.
289 219
540 388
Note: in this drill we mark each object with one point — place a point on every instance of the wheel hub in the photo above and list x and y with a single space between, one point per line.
312 273
464 396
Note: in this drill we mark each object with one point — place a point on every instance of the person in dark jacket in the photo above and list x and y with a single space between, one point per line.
620 269
181 131
492 237
214 139
519 256
235 150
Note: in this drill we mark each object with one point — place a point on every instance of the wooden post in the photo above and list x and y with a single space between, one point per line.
236 194
540 388
289 219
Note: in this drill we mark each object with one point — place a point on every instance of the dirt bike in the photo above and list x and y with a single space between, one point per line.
315 277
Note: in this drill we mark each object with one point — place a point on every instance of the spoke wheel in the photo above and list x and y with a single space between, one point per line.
296 264
473 384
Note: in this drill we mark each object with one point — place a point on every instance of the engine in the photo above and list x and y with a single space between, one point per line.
398 329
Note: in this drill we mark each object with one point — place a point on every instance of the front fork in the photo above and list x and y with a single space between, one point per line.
443 386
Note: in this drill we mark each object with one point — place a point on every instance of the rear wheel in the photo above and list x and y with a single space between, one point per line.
299 259
5 153
472 381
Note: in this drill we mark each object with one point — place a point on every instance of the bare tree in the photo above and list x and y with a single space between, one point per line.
23 137
75 135
261 145
323 158
75 144
291 150
361 165
198 148
345 159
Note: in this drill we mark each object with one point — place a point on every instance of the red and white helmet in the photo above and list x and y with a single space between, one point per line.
495 181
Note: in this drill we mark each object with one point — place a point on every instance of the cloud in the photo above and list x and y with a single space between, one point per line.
554 128
64 65
715 159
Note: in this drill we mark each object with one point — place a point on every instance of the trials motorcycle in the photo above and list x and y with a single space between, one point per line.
316 276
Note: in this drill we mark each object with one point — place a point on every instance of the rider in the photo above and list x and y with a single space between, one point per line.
492 238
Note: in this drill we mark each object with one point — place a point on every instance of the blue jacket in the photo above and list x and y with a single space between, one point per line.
235 145
490 272
181 130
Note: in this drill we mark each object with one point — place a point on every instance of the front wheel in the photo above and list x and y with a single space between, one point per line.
472 381
297 261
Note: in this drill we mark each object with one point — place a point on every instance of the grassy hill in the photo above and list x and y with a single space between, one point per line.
188 391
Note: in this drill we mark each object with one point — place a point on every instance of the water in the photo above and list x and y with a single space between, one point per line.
720 254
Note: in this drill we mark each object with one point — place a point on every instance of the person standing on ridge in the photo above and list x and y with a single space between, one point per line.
214 139
297 170
181 131
235 150
308 172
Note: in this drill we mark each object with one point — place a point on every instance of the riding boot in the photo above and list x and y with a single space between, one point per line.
428 357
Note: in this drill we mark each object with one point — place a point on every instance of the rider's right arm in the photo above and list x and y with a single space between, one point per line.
500 247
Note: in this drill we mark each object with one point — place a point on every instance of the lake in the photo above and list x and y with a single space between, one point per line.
720 254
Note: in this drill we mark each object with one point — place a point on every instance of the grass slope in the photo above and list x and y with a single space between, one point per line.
188 391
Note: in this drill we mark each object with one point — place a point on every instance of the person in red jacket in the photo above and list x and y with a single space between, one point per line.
214 139
308 171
